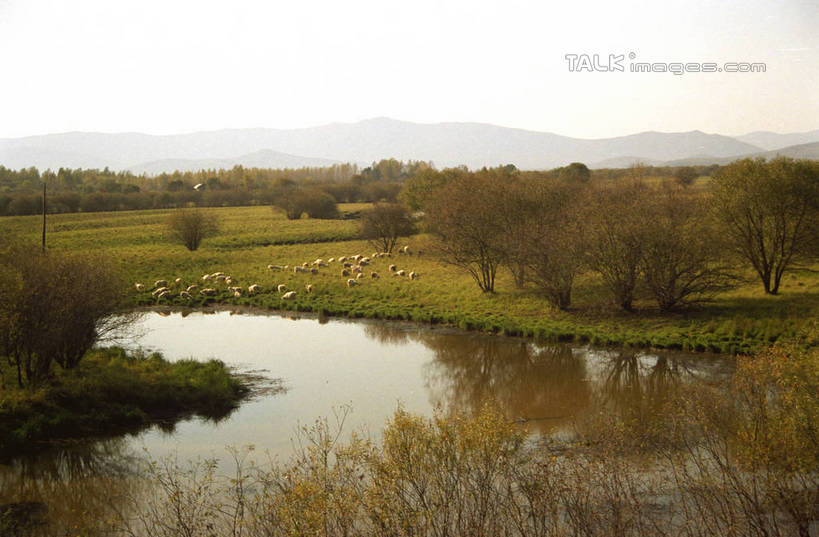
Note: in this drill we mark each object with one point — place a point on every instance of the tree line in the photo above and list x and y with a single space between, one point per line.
683 245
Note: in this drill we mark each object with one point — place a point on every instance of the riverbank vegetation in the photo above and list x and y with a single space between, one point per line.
112 392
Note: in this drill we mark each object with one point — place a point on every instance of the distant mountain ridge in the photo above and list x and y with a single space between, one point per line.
445 144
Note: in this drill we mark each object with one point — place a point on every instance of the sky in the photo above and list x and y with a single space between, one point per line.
164 67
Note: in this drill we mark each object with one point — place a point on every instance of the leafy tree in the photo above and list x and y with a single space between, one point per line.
554 242
615 241
575 172
770 213
53 308
191 226
682 259
384 223
463 216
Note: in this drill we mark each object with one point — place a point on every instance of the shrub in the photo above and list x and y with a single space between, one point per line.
191 226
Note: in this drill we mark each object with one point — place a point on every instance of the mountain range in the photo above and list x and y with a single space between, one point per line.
445 144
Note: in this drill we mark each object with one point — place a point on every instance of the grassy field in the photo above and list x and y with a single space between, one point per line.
251 238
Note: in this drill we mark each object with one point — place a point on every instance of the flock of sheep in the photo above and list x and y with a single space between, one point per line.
352 268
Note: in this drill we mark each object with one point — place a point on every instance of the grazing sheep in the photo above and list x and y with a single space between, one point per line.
139 286
281 288
374 275
192 288
178 281
348 265
351 283
290 295
412 275
275 267
309 288
206 277
207 291
357 269
393 268
255 288
305 264
405 250
164 294
220 278
235 289
364 261
228 280
331 260
158 291
357 257
297 269
160 283
359 276
237 293
314 270
345 272
217 274
402 272
342 259
186 295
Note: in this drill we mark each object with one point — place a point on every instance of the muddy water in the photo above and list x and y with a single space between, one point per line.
372 368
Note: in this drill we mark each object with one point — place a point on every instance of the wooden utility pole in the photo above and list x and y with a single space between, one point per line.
44 216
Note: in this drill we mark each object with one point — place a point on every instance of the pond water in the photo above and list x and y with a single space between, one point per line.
373 367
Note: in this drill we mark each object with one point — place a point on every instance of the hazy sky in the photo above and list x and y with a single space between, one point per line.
178 66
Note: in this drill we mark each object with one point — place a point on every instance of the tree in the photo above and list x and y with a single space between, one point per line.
191 226
463 215
554 242
770 213
575 172
615 242
682 258
53 308
384 223
686 175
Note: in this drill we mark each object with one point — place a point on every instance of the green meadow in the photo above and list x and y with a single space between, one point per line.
251 238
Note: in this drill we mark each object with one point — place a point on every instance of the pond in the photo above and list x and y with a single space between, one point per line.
371 367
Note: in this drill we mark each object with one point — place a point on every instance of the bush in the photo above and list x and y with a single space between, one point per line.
191 226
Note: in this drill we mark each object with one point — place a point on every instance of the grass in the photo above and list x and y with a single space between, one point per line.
113 391
253 237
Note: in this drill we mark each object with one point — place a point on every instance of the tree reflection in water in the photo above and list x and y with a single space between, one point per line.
549 387
78 484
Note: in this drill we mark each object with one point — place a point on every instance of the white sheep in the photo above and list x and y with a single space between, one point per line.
255 288
186 295
357 257
393 268
359 276
275 267
412 275
139 286
364 261
345 272
237 293
178 281
342 259
357 269
207 291
290 295
351 283
192 288
281 288
331 260
314 270
402 272
308 288
164 294
405 250
297 269
158 291
347 265
160 283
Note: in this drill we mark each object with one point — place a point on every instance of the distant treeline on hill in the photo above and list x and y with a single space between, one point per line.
93 190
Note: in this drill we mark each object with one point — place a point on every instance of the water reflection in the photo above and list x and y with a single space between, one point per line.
546 386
